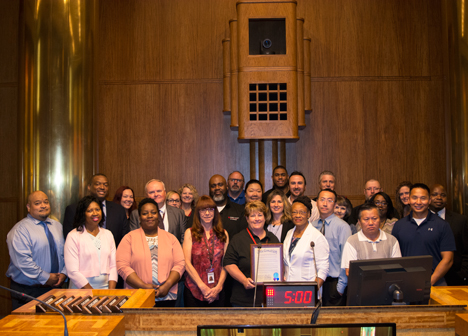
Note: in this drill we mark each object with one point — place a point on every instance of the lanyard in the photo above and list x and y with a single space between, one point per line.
251 236
210 253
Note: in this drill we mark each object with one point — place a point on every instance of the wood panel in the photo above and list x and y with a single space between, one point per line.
9 18
154 40
373 38
9 42
173 132
390 131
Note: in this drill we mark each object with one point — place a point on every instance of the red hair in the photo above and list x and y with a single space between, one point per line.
206 202
118 198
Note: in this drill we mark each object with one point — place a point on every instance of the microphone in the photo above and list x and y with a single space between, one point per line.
314 317
259 246
65 330
312 245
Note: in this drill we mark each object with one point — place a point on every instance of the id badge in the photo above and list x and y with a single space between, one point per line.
210 275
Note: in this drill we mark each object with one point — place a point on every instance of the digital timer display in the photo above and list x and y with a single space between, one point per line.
290 294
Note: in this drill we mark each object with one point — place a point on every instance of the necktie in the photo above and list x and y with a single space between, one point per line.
161 220
104 210
54 263
323 227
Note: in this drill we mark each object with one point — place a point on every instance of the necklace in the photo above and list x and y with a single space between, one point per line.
275 228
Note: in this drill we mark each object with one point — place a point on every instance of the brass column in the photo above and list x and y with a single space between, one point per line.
57 43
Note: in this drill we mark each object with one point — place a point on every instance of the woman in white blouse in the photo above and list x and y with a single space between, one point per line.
298 254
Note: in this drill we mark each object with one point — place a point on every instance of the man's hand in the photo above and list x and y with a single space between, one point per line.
53 279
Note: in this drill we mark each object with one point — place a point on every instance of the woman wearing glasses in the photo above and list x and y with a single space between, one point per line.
173 199
388 214
298 254
204 248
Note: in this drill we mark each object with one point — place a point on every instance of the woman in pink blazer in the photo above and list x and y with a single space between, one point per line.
90 249
151 258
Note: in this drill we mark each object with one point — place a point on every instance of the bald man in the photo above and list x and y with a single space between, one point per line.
371 188
457 275
35 245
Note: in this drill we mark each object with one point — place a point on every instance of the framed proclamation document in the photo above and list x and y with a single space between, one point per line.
266 262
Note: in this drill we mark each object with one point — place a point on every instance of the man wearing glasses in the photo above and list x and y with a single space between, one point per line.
337 232
371 188
236 187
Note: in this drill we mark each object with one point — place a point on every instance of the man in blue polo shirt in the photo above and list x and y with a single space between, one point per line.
424 233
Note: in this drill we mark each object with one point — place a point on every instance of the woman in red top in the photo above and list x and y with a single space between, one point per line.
204 247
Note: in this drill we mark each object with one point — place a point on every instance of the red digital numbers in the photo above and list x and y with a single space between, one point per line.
287 295
308 299
298 297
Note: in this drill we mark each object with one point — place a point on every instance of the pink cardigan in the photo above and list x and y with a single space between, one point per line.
81 257
133 255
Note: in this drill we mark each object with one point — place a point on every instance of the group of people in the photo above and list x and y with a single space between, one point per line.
195 251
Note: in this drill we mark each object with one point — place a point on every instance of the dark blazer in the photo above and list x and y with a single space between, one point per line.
286 227
458 273
116 220
176 218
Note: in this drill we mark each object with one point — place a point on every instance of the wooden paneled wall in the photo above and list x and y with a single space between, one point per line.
9 149
377 99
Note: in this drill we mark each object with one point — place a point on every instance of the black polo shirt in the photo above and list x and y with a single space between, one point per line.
238 253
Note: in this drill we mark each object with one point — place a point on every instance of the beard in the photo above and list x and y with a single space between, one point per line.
219 198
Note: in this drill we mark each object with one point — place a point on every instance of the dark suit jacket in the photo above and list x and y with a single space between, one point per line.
286 227
116 220
458 273
176 218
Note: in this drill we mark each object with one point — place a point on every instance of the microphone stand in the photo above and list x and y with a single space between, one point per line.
65 330
315 314
259 246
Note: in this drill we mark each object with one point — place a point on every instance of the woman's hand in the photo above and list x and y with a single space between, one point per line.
248 283
213 293
162 290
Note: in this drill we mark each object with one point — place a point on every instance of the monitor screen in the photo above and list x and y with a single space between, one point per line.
364 329
389 281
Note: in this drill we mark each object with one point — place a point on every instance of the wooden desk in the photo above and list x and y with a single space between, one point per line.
51 324
461 325
449 295
139 298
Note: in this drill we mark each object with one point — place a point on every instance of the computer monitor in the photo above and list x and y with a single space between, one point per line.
376 282
361 329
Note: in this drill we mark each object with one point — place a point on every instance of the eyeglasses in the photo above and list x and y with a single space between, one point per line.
299 213
171 200
207 209
381 203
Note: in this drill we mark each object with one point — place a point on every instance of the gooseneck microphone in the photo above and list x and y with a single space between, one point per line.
65 330
314 317
312 245
259 246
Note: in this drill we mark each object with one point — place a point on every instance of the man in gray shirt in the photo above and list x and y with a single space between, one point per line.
370 242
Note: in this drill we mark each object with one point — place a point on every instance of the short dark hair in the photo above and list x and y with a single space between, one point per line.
254 182
306 201
299 174
332 191
146 201
92 178
420 186
365 207
280 167
80 214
